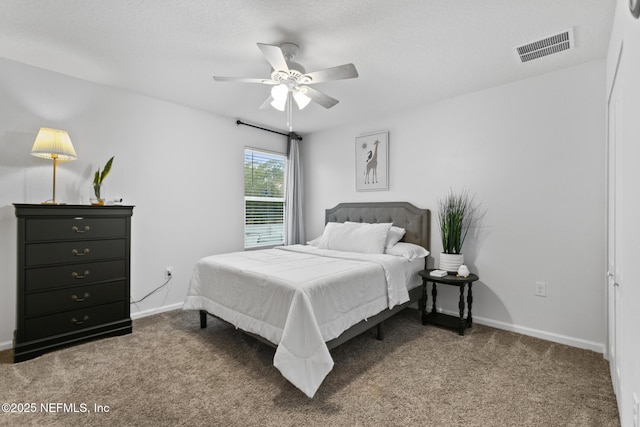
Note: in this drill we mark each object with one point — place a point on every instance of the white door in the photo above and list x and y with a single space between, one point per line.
613 289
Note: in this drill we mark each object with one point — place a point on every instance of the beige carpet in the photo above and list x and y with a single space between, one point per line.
170 372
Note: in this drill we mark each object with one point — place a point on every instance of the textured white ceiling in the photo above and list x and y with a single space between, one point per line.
408 52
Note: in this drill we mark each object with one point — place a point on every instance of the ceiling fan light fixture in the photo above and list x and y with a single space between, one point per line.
290 80
301 99
279 95
279 105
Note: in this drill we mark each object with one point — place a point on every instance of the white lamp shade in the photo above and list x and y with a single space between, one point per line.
301 99
279 94
53 144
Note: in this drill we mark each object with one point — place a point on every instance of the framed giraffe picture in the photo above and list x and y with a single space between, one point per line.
372 162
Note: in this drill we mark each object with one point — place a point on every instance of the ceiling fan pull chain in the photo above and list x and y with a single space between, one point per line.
289 113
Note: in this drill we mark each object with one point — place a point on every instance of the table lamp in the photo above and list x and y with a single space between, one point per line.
53 144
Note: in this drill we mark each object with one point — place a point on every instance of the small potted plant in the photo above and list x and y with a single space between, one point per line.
457 212
96 186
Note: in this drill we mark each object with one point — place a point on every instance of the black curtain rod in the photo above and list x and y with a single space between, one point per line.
239 122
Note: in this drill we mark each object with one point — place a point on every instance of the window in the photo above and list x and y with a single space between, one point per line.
264 175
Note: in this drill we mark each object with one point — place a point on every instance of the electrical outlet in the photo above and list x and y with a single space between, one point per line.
168 272
540 289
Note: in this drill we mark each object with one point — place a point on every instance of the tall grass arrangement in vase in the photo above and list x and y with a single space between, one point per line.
98 177
457 212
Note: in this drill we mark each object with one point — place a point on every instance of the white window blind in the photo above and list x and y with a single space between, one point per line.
264 175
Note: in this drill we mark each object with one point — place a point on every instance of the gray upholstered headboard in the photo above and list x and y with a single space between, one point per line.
415 221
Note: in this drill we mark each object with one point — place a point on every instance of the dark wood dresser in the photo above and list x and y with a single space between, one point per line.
73 275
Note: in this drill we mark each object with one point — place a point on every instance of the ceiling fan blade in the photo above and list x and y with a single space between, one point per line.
346 71
274 56
325 100
266 104
243 80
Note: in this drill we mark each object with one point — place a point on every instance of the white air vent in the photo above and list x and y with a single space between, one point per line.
547 46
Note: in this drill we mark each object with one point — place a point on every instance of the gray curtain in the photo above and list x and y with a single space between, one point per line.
294 212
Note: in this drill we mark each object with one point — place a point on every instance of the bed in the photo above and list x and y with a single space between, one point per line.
305 300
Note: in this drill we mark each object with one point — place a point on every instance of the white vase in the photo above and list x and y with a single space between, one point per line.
451 262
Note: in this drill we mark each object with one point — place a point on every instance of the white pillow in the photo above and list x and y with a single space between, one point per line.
355 237
395 234
314 242
408 250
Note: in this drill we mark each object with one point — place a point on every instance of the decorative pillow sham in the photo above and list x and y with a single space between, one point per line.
355 237
408 250
395 234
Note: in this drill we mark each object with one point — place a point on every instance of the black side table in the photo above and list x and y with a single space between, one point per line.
445 320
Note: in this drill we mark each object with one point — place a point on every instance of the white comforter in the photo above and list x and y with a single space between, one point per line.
299 297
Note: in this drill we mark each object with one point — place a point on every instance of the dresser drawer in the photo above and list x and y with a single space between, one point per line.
41 303
76 320
74 252
74 228
43 278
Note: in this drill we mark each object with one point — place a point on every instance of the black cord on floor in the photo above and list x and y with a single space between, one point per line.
152 292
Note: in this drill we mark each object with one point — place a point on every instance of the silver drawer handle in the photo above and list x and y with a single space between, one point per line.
84 252
80 276
84 297
77 230
79 322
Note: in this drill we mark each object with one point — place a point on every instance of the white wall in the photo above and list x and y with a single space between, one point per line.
181 168
626 31
532 152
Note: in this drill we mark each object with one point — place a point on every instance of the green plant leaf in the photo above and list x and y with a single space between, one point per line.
106 170
456 214
96 178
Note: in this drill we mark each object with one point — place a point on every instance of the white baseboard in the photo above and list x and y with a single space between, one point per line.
548 336
156 310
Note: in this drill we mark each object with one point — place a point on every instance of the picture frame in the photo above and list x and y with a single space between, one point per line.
372 161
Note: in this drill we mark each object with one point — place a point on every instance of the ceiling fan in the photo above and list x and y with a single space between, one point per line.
290 79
